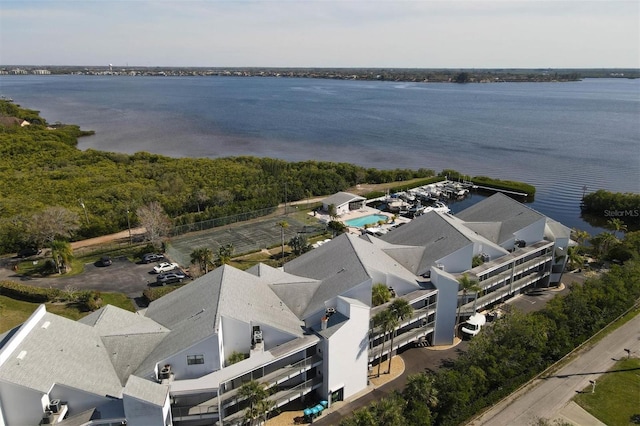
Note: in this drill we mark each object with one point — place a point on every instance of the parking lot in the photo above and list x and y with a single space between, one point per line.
121 276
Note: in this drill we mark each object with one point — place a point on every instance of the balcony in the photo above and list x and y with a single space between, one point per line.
279 399
502 293
209 409
409 336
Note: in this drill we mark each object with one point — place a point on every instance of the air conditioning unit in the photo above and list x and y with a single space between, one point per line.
54 406
440 266
257 336
330 311
165 372
47 418
485 257
520 243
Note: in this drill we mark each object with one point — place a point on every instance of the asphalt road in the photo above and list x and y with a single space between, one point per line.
545 397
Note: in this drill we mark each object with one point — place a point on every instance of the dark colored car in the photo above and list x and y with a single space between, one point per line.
28 252
105 261
152 257
170 278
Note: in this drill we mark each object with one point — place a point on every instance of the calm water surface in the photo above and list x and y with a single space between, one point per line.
559 137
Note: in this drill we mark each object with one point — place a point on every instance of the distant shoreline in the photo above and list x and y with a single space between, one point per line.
430 75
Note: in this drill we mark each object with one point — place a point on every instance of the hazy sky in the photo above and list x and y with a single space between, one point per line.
319 33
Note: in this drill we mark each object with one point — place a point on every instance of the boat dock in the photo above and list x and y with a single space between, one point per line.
504 191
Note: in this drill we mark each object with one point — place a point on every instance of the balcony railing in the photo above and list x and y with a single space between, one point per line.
400 340
279 398
518 269
502 293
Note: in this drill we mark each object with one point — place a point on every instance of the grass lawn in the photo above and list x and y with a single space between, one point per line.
617 395
14 312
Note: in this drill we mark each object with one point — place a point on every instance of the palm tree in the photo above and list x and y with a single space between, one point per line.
225 253
283 224
420 389
400 309
203 257
256 394
466 285
61 253
616 225
380 294
574 257
387 323
602 244
580 236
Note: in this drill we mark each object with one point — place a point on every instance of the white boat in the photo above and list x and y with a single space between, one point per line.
438 206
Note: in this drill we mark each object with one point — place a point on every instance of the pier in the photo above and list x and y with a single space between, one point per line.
504 191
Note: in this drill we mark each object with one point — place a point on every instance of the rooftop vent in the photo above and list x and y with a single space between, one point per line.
440 266
520 243
485 257
257 335
330 311
54 406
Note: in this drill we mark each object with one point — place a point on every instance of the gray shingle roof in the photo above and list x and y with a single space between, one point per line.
341 198
513 216
433 233
193 312
59 350
146 390
342 264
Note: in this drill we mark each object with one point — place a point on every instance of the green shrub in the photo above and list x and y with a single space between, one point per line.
19 291
89 300
155 293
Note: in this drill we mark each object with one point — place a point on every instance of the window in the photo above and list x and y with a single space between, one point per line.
195 359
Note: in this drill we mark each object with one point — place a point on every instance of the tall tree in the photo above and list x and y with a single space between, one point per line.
203 257
256 395
400 309
62 254
225 253
155 221
332 211
283 225
466 285
299 244
387 323
380 294
51 223
616 225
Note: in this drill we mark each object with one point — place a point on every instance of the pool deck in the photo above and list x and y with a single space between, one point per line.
361 212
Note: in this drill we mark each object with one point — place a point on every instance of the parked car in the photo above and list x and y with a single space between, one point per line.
29 251
104 261
170 278
474 324
165 267
152 257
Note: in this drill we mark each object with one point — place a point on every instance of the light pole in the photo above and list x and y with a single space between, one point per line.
129 226
593 385
85 210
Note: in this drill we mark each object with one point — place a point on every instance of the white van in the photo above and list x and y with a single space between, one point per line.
472 326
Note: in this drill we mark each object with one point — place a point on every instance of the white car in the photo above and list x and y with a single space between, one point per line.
165 267
473 325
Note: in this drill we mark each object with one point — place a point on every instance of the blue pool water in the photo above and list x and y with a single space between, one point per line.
365 220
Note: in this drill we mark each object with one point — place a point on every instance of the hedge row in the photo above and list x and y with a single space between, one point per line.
19 291
154 293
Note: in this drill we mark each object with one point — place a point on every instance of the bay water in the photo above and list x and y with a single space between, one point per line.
563 138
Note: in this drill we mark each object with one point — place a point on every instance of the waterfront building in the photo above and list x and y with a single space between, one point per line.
304 330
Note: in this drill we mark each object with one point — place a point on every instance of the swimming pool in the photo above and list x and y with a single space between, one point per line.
360 222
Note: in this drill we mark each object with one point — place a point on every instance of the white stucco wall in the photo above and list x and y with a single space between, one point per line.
446 306
459 260
236 336
77 400
21 406
532 233
207 347
346 351
361 292
142 413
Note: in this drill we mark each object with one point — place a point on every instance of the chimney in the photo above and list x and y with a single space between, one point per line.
324 322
